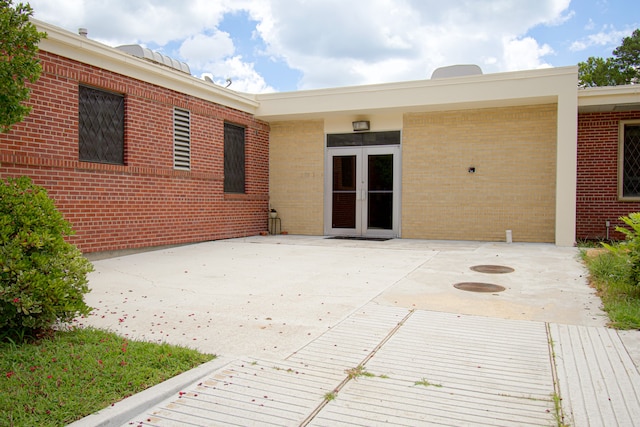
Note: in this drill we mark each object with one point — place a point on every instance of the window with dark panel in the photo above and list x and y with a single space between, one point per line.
629 152
101 126
234 159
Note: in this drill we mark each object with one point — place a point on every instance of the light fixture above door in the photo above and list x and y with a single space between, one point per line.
360 125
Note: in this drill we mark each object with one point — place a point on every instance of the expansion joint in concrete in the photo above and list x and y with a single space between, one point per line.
350 377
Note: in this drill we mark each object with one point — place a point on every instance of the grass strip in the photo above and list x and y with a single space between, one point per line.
610 274
71 374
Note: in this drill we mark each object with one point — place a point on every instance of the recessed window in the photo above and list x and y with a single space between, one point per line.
629 160
363 139
234 159
181 139
101 126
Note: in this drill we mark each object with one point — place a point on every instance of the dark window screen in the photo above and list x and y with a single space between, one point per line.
234 159
101 126
631 168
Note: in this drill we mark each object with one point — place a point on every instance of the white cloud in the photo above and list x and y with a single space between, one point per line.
125 21
201 49
577 46
560 17
69 14
242 75
608 36
525 54
330 42
335 42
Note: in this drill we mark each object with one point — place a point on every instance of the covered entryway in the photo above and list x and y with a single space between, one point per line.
480 155
362 184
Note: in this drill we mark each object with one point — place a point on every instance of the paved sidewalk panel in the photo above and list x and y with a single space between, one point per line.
599 383
384 365
394 366
447 369
260 392
353 341
248 392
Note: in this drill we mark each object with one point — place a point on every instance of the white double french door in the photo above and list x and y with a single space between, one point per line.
362 191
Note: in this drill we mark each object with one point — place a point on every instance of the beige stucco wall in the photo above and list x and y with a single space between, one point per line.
296 177
514 187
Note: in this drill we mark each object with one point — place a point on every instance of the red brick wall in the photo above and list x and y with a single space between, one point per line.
597 186
145 202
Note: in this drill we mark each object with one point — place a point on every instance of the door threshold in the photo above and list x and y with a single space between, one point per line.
370 239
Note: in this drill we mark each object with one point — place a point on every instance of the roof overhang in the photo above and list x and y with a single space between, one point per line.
468 92
76 47
609 98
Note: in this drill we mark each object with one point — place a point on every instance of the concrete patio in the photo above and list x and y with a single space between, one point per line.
316 331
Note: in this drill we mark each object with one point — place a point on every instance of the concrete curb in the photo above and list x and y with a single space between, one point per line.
123 411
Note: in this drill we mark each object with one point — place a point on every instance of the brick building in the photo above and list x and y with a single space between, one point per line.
608 160
160 178
463 158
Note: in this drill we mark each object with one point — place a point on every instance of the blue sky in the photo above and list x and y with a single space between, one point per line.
288 45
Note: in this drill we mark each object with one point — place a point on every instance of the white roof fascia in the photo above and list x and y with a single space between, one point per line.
608 98
79 48
479 91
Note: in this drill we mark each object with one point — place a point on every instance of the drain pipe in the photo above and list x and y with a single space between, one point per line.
608 224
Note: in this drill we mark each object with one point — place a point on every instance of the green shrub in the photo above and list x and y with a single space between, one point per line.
630 248
43 278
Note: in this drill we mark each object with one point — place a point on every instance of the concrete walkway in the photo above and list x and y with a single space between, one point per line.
315 331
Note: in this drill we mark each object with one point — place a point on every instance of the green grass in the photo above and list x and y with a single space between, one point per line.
610 274
74 373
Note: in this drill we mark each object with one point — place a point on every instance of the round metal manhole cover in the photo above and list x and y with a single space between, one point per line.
478 287
492 269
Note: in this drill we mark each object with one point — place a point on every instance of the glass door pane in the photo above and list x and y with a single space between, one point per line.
380 191
344 192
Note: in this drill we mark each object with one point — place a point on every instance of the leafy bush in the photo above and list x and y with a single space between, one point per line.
42 277
630 248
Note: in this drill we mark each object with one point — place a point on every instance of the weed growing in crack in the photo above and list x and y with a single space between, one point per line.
558 415
358 371
329 396
425 383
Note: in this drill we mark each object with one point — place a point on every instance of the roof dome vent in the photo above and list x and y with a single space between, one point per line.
456 71
153 56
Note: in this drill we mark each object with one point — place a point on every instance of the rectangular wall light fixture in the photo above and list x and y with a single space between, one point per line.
360 125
